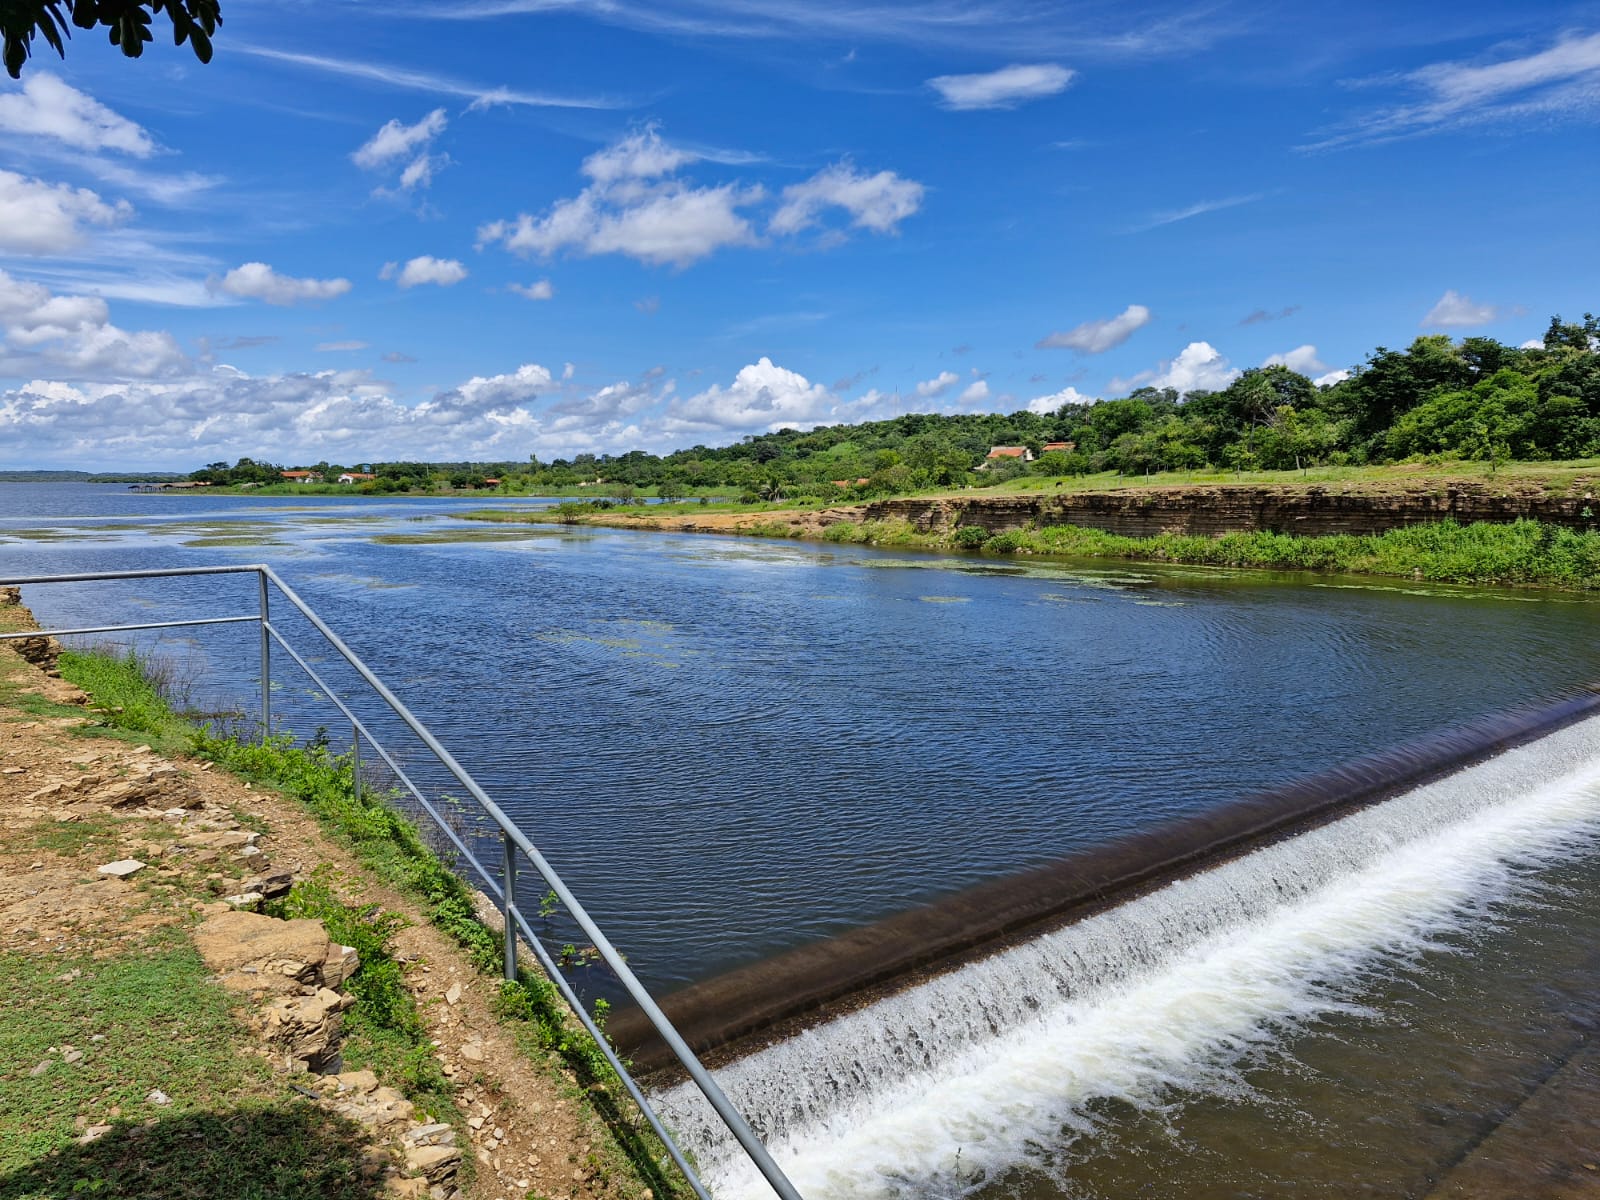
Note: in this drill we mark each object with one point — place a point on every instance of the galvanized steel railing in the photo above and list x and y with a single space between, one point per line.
514 843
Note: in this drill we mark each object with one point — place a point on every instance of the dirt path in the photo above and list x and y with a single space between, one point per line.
76 801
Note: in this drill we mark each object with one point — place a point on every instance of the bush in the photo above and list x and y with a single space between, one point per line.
1008 542
970 537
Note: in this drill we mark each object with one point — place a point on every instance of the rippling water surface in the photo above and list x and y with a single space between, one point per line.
730 746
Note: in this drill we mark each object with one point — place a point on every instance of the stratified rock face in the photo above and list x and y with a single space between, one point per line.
1209 511
42 652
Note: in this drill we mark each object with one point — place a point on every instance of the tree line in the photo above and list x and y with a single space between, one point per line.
1475 399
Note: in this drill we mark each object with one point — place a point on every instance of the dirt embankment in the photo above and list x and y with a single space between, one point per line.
104 843
1205 510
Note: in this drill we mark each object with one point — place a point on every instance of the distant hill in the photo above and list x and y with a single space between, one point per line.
88 477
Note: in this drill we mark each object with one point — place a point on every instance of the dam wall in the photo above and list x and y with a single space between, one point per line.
741 1011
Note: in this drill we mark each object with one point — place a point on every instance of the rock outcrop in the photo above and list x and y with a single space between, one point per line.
1210 511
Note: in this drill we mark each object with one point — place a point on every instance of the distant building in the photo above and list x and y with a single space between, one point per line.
355 477
302 476
1021 452
1060 447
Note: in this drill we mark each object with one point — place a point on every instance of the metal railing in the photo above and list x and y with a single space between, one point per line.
514 843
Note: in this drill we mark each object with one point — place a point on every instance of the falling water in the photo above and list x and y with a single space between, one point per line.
937 1089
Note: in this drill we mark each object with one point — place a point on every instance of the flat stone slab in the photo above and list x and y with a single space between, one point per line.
122 868
1547 1148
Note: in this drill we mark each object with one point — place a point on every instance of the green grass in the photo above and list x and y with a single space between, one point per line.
1523 552
231 1131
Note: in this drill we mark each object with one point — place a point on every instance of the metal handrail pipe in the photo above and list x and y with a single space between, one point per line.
553 971
147 573
730 1116
6 637
496 892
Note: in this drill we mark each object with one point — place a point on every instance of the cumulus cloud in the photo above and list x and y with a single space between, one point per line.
396 140
1005 88
258 281
48 108
877 202
974 393
40 218
425 268
941 383
42 332
1332 377
1199 366
1096 337
1302 359
762 397
1457 311
542 289
637 205
1045 405
1532 344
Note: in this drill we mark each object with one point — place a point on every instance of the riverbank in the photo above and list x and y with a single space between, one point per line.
1518 532
231 987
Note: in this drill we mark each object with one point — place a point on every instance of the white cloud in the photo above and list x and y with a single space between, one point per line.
1193 210
1045 405
419 171
342 347
1455 310
1562 80
258 281
1005 88
494 393
49 218
48 108
395 140
1198 367
542 289
1532 344
638 206
762 397
974 392
938 385
1302 359
44 332
642 155
1096 337
876 202
425 268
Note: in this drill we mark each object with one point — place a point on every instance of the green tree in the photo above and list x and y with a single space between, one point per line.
193 21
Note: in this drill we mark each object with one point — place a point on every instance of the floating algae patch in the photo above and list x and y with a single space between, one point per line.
233 539
51 535
439 537
945 599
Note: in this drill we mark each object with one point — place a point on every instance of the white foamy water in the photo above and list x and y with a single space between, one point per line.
931 1091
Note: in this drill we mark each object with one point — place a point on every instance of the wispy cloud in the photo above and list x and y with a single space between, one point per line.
997 26
1194 210
406 79
1562 80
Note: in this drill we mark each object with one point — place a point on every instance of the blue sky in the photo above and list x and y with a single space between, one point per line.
493 228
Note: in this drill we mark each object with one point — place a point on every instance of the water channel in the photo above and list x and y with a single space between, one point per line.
733 747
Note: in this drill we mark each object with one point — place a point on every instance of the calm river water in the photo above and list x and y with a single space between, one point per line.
730 746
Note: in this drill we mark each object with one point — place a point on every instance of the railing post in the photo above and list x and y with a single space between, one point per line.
266 663
355 760
508 880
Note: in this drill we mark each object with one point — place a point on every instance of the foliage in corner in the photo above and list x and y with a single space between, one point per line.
128 23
